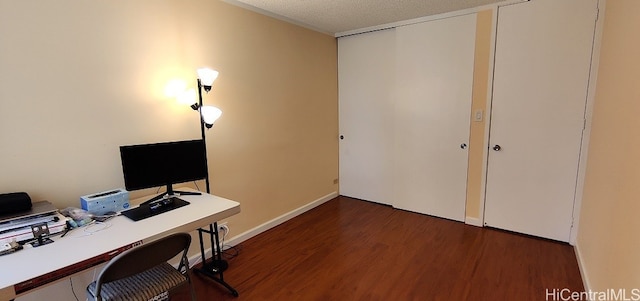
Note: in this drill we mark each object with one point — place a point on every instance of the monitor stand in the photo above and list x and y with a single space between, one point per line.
169 194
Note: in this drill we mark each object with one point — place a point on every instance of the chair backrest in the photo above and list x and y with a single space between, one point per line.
144 257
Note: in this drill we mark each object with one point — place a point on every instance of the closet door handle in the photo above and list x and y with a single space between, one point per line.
341 137
463 146
497 148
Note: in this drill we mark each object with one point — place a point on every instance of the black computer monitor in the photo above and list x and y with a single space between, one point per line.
163 164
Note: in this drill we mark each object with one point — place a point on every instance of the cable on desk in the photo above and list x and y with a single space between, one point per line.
95 227
104 217
90 228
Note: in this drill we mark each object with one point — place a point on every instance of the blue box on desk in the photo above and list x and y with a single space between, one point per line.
108 201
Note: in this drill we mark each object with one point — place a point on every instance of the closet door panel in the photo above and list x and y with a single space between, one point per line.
541 75
366 76
434 78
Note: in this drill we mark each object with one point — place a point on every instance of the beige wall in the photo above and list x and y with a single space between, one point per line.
79 78
608 241
477 146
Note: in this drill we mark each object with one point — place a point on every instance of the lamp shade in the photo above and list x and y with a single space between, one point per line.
209 115
207 76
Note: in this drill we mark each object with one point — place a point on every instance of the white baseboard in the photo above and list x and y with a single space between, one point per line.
473 221
583 270
195 259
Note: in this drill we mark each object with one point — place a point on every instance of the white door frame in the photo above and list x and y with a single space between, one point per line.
586 134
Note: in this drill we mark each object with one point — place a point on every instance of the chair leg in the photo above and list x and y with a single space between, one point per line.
191 289
193 292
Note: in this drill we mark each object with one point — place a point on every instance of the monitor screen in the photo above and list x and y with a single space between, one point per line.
160 164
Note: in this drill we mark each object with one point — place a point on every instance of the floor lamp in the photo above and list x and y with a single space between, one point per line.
208 115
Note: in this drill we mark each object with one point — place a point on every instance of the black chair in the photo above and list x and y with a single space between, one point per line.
142 273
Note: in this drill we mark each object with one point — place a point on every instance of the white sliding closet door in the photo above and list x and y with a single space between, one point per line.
366 76
434 78
541 75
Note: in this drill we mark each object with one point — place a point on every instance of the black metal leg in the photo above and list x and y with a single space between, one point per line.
204 258
215 268
214 250
217 239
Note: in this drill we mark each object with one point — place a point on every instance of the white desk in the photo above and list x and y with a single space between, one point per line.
78 245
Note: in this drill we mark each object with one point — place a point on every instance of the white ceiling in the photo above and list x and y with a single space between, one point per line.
339 16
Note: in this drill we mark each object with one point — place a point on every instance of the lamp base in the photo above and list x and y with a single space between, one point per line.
213 270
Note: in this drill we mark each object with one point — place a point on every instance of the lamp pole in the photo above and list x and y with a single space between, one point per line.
204 140
215 268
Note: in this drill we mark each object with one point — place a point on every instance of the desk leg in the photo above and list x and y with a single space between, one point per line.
215 268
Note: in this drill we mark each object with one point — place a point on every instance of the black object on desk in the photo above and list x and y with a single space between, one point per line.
146 210
40 232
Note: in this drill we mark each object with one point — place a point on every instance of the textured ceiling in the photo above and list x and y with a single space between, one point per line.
336 16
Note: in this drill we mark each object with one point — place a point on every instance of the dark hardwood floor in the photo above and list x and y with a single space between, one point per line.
347 249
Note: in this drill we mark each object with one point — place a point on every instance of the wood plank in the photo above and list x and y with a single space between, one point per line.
347 249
